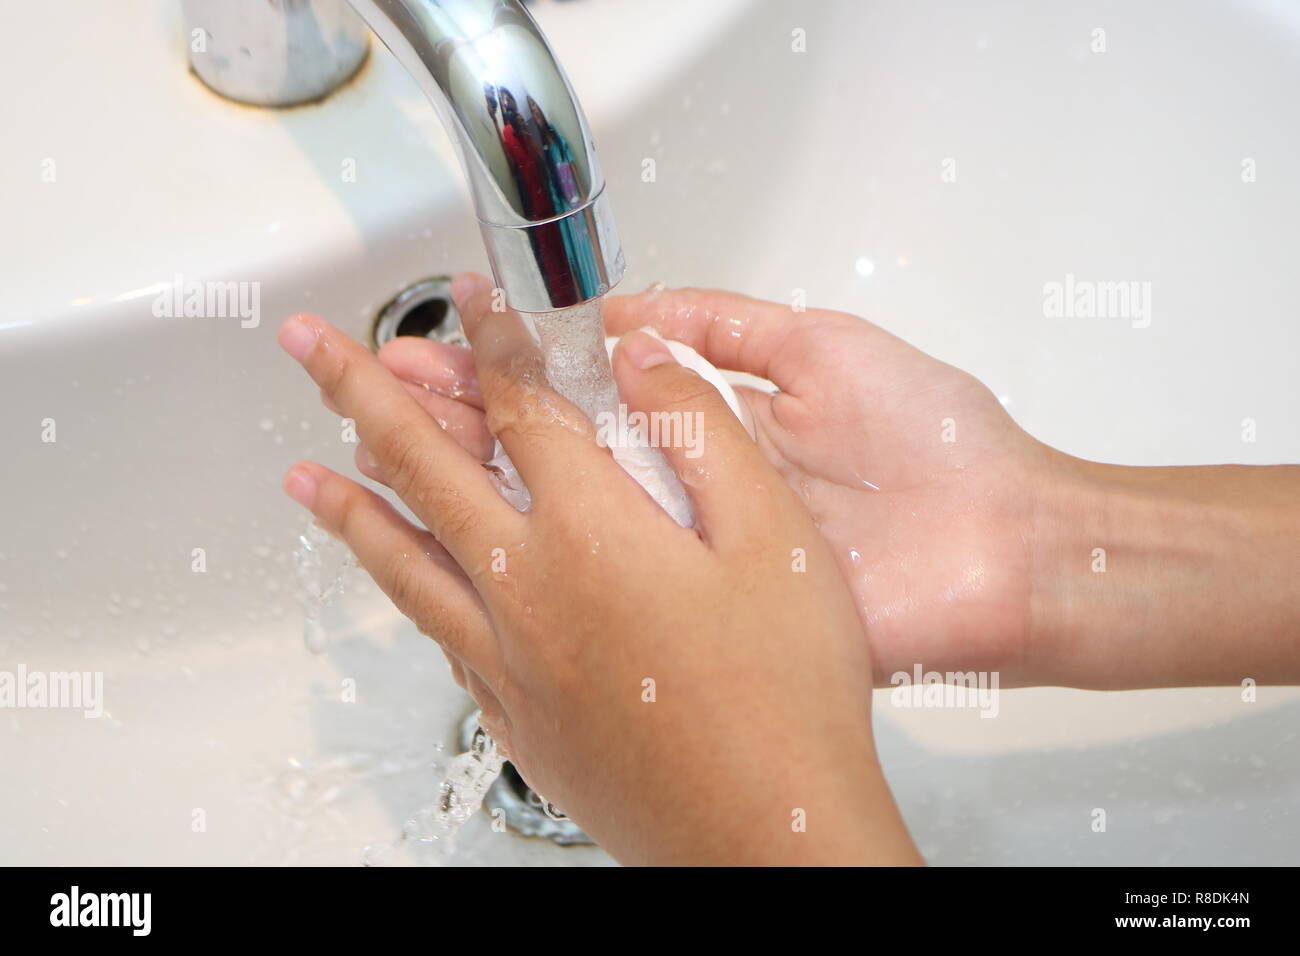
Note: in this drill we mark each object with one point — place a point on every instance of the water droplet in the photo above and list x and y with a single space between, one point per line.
314 637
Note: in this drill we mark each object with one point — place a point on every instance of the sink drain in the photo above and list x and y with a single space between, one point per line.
424 310
523 810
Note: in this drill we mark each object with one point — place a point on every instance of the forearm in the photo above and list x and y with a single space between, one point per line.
1158 577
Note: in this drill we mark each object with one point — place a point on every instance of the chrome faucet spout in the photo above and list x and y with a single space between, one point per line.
527 150
524 142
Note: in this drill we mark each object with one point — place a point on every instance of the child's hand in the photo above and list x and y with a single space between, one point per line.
939 557
686 696
984 549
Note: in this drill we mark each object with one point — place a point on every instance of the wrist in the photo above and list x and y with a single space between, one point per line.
849 819
1145 577
1073 602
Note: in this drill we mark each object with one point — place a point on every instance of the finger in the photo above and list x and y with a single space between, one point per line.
446 369
492 716
438 406
491 713
709 449
462 422
547 438
367 465
457 668
732 331
446 488
416 573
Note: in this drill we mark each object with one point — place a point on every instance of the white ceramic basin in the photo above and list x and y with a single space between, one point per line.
776 170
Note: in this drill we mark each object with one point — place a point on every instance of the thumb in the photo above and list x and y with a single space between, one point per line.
690 422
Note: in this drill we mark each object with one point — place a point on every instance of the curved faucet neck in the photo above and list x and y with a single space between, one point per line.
525 145
524 142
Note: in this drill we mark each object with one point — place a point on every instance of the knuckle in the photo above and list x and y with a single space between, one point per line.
457 670
451 516
346 517
450 633
445 628
405 459
523 366
503 688
510 380
402 455
518 423
687 390
405 586
332 371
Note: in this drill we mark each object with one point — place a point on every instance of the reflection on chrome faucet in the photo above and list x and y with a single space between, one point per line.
542 167
535 179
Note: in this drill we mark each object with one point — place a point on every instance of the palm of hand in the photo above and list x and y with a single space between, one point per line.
917 478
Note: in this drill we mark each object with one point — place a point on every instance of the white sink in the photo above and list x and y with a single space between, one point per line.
776 171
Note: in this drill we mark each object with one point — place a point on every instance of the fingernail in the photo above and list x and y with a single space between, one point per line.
644 350
297 338
300 486
465 285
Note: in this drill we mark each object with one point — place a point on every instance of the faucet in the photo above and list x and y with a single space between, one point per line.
525 146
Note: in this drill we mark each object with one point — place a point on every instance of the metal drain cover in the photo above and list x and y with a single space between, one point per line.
424 309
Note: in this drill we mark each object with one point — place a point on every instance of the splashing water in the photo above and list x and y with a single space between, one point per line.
324 567
429 837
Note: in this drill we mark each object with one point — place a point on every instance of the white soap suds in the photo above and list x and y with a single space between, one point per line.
646 464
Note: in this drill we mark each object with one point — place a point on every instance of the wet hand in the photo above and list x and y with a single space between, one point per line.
920 482
686 695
